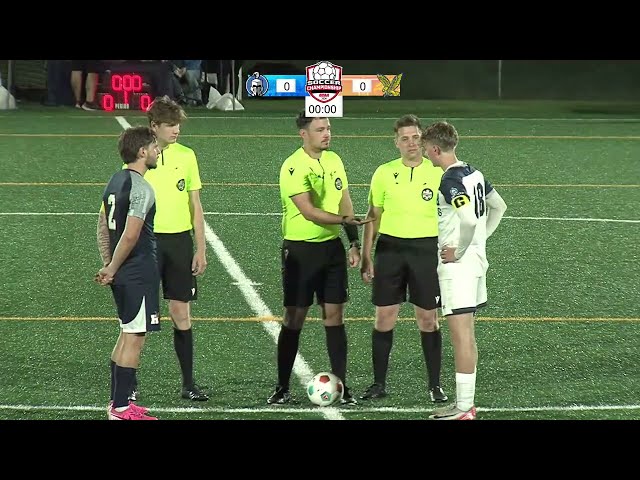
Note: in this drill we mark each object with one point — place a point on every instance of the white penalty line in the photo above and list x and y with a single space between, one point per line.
325 410
273 214
300 368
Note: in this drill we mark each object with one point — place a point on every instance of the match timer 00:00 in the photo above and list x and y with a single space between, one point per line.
124 91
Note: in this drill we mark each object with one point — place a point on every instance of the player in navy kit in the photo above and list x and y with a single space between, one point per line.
127 247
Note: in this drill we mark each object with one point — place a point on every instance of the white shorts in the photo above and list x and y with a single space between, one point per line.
463 290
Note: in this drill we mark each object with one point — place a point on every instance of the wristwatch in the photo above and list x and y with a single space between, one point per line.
356 244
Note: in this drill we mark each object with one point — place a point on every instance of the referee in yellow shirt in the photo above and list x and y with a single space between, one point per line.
314 192
176 182
403 200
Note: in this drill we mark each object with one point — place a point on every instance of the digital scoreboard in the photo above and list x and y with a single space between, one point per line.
125 91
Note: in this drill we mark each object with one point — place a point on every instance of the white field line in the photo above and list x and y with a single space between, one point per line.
300 368
321 410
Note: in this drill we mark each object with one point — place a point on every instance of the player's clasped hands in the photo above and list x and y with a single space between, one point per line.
104 276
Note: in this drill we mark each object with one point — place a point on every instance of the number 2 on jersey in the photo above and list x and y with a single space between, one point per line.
478 192
111 200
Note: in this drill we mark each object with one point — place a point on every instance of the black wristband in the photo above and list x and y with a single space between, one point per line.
352 233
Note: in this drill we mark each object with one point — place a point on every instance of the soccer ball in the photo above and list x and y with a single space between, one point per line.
324 71
325 389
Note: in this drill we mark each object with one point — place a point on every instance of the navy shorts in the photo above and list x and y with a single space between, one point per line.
138 306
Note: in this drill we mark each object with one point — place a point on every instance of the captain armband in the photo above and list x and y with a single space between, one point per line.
460 201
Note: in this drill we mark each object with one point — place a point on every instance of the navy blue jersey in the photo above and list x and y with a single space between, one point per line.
129 194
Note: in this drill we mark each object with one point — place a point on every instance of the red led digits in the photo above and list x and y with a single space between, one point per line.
127 84
145 101
108 103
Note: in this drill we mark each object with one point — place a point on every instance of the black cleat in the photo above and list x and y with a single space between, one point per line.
280 396
437 395
347 398
374 391
90 106
194 393
133 396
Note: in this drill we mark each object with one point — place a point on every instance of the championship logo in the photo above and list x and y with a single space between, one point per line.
180 184
257 85
338 183
427 194
324 81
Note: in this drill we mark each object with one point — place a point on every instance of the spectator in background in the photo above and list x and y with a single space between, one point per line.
186 82
161 76
192 81
92 69
177 78
59 90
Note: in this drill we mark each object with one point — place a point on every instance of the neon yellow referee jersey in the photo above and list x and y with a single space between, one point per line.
408 196
325 179
176 175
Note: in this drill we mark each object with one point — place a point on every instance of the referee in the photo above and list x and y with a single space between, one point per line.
176 182
315 198
403 202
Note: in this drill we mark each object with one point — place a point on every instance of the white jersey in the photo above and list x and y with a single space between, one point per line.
462 184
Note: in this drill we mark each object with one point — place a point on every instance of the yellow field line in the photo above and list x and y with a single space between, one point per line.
267 319
253 135
249 184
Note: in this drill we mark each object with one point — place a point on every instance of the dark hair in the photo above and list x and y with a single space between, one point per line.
302 121
442 134
132 140
409 120
165 110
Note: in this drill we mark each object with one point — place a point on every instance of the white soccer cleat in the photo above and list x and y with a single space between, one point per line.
452 412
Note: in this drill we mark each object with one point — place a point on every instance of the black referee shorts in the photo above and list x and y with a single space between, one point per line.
310 268
175 254
406 263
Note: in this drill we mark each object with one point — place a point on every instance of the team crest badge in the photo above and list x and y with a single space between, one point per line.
427 194
180 184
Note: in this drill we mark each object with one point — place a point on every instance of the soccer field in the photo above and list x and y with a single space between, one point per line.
559 339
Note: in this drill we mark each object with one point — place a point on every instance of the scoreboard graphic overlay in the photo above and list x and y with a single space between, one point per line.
352 86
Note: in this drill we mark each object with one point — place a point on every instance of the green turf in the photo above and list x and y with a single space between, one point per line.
542 270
